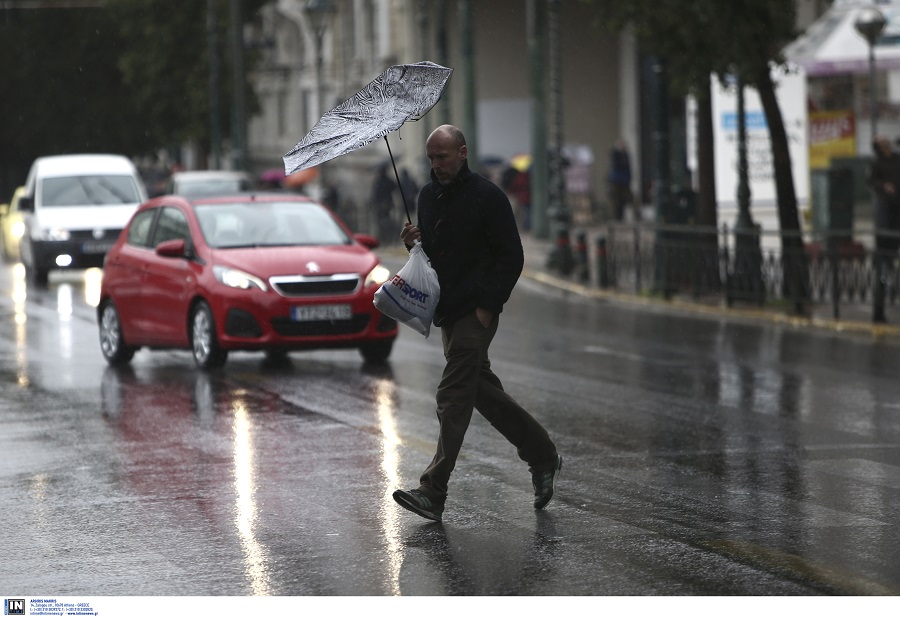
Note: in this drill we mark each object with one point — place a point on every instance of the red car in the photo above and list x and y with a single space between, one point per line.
269 272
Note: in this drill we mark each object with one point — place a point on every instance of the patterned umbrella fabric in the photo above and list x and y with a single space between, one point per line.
403 92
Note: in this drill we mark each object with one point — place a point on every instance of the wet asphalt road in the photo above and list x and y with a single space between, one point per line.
701 457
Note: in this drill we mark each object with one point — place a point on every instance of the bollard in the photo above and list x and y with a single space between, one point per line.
602 266
565 262
581 257
560 257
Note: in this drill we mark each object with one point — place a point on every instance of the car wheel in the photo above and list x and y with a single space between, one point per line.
7 254
204 344
38 276
112 343
376 352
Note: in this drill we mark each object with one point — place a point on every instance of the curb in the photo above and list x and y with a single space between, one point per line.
880 332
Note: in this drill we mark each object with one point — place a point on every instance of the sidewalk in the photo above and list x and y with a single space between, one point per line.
854 319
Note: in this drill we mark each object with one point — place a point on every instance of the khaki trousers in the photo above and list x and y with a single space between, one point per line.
468 383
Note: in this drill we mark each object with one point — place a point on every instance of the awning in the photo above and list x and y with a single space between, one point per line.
832 45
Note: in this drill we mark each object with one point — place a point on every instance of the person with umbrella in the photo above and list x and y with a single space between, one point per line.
468 230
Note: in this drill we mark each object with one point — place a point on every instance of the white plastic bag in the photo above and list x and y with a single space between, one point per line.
412 294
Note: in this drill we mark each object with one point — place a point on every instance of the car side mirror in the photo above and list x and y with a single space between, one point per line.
171 248
26 204
370 242
4 210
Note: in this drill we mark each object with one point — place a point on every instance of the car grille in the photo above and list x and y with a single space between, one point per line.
300 286
83 235
93 246
288 327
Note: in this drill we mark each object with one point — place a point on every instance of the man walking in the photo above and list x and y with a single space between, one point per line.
468 230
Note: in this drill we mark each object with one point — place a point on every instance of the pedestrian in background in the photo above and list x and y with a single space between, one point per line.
619 179
884 179
467 229
517 183
383 203
410 190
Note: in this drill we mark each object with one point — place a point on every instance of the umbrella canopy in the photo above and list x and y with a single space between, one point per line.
521 162
403 92
832 45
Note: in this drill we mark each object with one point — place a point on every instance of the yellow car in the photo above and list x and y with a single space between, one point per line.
11 226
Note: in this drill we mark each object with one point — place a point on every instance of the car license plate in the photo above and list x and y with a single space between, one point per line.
321 312
94 248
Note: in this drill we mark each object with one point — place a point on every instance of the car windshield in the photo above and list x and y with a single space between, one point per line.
288 223
89 190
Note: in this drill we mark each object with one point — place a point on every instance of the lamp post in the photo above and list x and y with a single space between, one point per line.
239 116
869 23
662 177
215 133
561 256
320 13
746 280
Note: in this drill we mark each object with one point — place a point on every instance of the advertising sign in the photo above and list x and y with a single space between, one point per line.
791 94
831 134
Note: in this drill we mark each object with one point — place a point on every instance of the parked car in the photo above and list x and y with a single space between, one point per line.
209 182
12 226
266 272
74 207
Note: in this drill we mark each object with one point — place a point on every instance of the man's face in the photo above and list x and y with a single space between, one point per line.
445 155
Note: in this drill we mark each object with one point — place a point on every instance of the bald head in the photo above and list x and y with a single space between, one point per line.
448 131
446 149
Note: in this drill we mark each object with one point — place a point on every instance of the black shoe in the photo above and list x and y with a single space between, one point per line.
544 482
415 501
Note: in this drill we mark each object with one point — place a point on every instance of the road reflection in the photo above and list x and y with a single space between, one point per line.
255 558
385 404
19 296
172 422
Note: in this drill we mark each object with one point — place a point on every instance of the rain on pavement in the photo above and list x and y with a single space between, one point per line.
702 456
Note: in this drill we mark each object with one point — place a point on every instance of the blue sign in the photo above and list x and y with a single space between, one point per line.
753 120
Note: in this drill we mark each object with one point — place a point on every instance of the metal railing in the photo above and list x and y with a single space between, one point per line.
756 266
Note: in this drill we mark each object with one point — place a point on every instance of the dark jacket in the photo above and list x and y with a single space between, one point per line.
469 233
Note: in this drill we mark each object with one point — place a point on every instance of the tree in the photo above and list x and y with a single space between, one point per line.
130 76
165 64
699 38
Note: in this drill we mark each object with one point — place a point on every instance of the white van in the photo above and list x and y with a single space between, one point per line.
74 207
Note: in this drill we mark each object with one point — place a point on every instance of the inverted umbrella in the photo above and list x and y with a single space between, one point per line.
401 93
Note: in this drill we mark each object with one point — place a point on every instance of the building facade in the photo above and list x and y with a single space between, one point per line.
591 73
587 95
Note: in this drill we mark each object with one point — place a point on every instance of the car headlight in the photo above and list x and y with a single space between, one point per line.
238 279
378 275
55 234
18 229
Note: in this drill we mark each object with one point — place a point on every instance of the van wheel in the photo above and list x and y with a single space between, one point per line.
8 256
112 343
39 276
204 344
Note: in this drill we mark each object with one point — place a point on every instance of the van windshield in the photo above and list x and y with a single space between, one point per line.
93 190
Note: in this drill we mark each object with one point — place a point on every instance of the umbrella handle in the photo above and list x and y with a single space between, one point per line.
399 184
